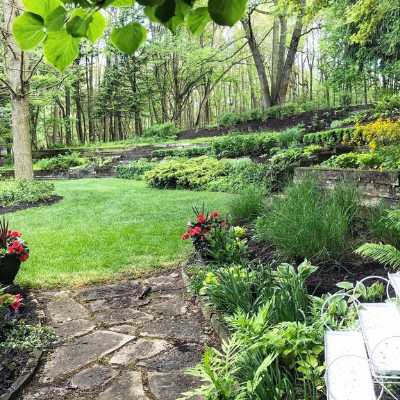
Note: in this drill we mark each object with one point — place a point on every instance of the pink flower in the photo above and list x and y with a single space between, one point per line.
15 233
192 232
16 244
223 224
10 249
185 236
18 296
197 229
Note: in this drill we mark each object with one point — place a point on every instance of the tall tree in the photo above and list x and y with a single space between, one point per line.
17 75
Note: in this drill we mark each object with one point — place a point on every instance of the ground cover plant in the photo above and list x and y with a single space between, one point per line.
14 192
105 230
61 161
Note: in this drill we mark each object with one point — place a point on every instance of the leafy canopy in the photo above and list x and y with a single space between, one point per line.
61 24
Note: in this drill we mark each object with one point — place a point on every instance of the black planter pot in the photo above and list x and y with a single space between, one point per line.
9 267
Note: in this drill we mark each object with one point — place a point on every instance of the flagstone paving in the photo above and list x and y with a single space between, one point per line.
114 346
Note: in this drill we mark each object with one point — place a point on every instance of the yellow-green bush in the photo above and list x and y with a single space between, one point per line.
195 173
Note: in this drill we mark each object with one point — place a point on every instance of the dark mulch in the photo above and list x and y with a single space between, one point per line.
324 280
13 361
25 205
312 120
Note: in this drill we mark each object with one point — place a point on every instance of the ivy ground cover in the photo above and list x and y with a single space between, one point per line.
106 229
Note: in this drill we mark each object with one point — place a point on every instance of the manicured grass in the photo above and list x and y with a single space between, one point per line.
105 230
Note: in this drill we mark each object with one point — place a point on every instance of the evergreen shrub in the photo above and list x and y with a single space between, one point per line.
194 173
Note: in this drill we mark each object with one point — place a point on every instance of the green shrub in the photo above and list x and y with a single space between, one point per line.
166 131
348 160
255 114
272 112
195 173
248 204
243 172
309 223
242 145
13 192
135 170
288 110
61 161
229 119
332 136
336 124
370 160
194 151
288 137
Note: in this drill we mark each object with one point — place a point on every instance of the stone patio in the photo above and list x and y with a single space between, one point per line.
113 346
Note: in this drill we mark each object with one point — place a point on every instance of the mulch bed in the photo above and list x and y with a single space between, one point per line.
324 280
13 361
25 205
313 120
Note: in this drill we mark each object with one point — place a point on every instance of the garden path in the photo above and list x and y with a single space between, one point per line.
113 345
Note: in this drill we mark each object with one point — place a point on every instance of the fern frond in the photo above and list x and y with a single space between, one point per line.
393 220
384 253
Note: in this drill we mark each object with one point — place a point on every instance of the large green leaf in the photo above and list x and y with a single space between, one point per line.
198 19
74 26
60 49
122 3
129 38
28 30
165 11
150 3
95 24
41 7
55 19
226 12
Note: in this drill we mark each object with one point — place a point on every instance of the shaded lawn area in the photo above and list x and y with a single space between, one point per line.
105 230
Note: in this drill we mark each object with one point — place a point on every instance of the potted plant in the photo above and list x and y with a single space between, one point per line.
13 251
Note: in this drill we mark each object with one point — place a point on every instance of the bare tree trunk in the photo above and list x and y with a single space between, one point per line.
17 72
258 61
55 125
67 117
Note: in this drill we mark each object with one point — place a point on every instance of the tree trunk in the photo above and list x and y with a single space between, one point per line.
258 61
290 58
67 117
17 71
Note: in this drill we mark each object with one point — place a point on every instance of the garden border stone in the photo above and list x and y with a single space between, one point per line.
207 311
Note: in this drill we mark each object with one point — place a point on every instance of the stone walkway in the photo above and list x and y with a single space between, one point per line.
113 346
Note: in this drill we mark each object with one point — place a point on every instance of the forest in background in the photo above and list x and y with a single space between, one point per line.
274 56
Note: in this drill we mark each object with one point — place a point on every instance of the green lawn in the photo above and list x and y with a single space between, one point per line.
105 230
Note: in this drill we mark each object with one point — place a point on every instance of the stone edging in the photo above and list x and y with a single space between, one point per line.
208 313
29 370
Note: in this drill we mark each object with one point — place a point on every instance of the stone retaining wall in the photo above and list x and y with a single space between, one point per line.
375 185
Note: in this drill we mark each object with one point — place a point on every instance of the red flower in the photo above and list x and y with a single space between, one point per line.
207 233
21 250
24 257
185 236
223 224
9 231
10 249
15 233
18 296
214 214
16 304
192 232
202 238
197 229
201 219
16 244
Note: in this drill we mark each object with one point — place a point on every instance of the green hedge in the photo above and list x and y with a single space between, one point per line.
332 136
135 170
243 145
195 151
195 173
